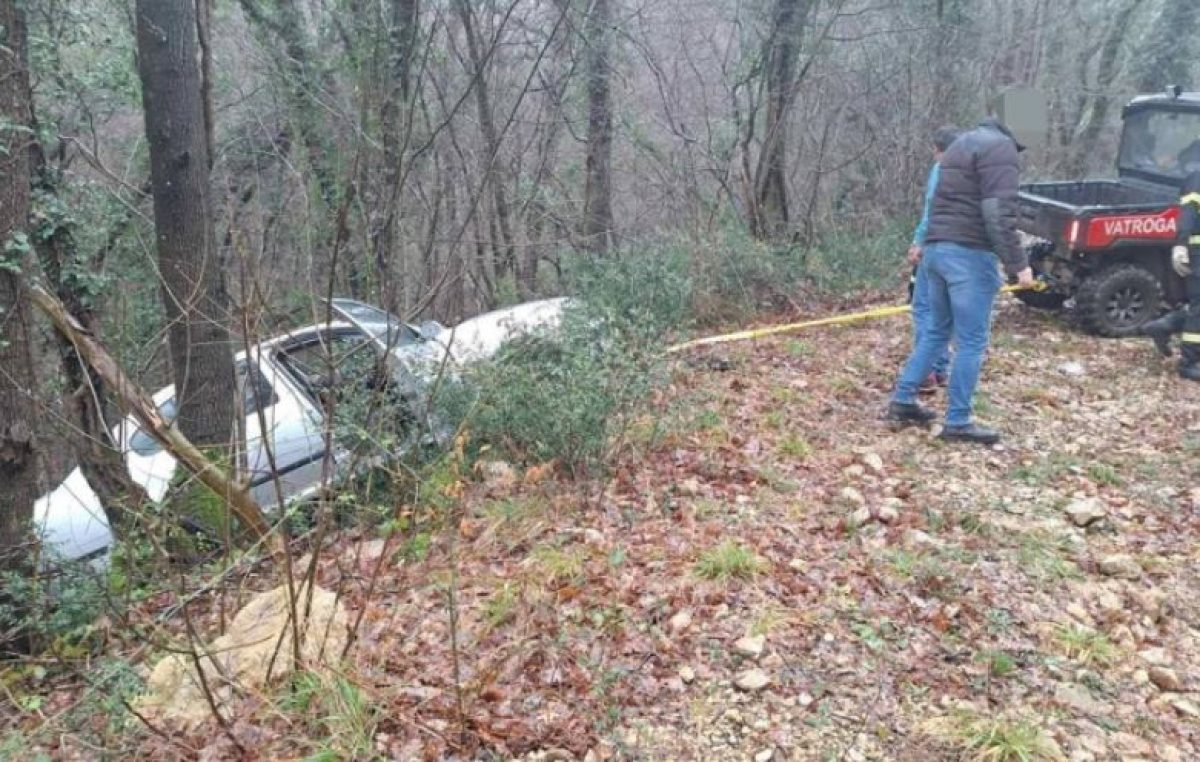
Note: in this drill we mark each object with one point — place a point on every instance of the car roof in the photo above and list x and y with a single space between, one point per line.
1189 101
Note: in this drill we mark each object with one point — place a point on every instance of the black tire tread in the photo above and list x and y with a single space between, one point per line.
1089 301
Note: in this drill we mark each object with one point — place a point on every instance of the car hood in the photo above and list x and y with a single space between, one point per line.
482 337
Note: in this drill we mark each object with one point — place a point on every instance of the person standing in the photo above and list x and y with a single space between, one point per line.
972 231
942 139
1185 320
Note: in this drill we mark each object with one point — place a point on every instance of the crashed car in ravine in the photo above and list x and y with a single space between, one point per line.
282 383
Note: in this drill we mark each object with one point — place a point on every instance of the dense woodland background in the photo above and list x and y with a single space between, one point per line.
446 157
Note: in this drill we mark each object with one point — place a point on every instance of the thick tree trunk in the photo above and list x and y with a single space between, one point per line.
20 458
771 213
597 192
194 297
1107 69
506 260
397 100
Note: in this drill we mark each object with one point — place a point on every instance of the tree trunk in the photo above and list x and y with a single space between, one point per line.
506 261
1167 52
20 458
1107 70
771 214
194 297
597 192
401 46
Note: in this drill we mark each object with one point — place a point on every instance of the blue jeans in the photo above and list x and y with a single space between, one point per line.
921 313
961 286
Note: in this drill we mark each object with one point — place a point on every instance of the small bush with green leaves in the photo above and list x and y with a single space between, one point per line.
563 396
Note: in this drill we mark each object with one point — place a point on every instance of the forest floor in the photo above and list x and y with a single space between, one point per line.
772 573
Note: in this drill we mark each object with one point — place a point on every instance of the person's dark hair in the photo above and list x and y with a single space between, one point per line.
944 136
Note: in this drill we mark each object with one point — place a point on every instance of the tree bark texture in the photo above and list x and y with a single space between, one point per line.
771 212
597 194
505 261
194 297
20 459
397 100
1167 55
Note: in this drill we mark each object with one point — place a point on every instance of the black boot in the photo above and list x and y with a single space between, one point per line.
1189 359
909 412
972 433
1162 329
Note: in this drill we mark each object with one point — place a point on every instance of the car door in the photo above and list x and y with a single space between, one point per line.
285 431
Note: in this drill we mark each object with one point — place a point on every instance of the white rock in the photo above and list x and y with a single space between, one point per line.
764 756
498 477
853 496
1072 369
888 514
861 516
681 621
751 646
1085 510
872 461
1119 565
1155 656
752 680
1185 707
687 674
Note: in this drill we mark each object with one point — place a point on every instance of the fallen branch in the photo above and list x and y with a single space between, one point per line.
137 402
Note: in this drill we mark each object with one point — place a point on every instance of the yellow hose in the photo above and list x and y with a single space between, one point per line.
854 317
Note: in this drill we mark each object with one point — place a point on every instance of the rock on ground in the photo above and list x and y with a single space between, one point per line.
256 649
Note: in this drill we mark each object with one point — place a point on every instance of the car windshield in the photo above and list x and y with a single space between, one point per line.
384 326
1153 141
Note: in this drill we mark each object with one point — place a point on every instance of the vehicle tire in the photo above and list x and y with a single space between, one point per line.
1117 300
1042 300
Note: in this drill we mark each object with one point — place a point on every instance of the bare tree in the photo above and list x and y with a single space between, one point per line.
505 259
597 195
19 454
1167 54
193 291
771 213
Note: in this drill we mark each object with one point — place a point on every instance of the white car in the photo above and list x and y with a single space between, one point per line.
281 382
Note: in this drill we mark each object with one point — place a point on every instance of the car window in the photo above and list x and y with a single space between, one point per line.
1156 141
323 361
257 392
256 395
384 326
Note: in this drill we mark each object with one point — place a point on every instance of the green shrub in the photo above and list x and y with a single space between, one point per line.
564 396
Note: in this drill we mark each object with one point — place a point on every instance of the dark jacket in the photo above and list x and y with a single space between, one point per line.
976 200
1189 205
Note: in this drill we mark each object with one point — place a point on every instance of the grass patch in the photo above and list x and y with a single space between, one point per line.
557 566
1005 740
1104 474
501 606
727 562
1041 556
999 664
795 447
797 348
1085 646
